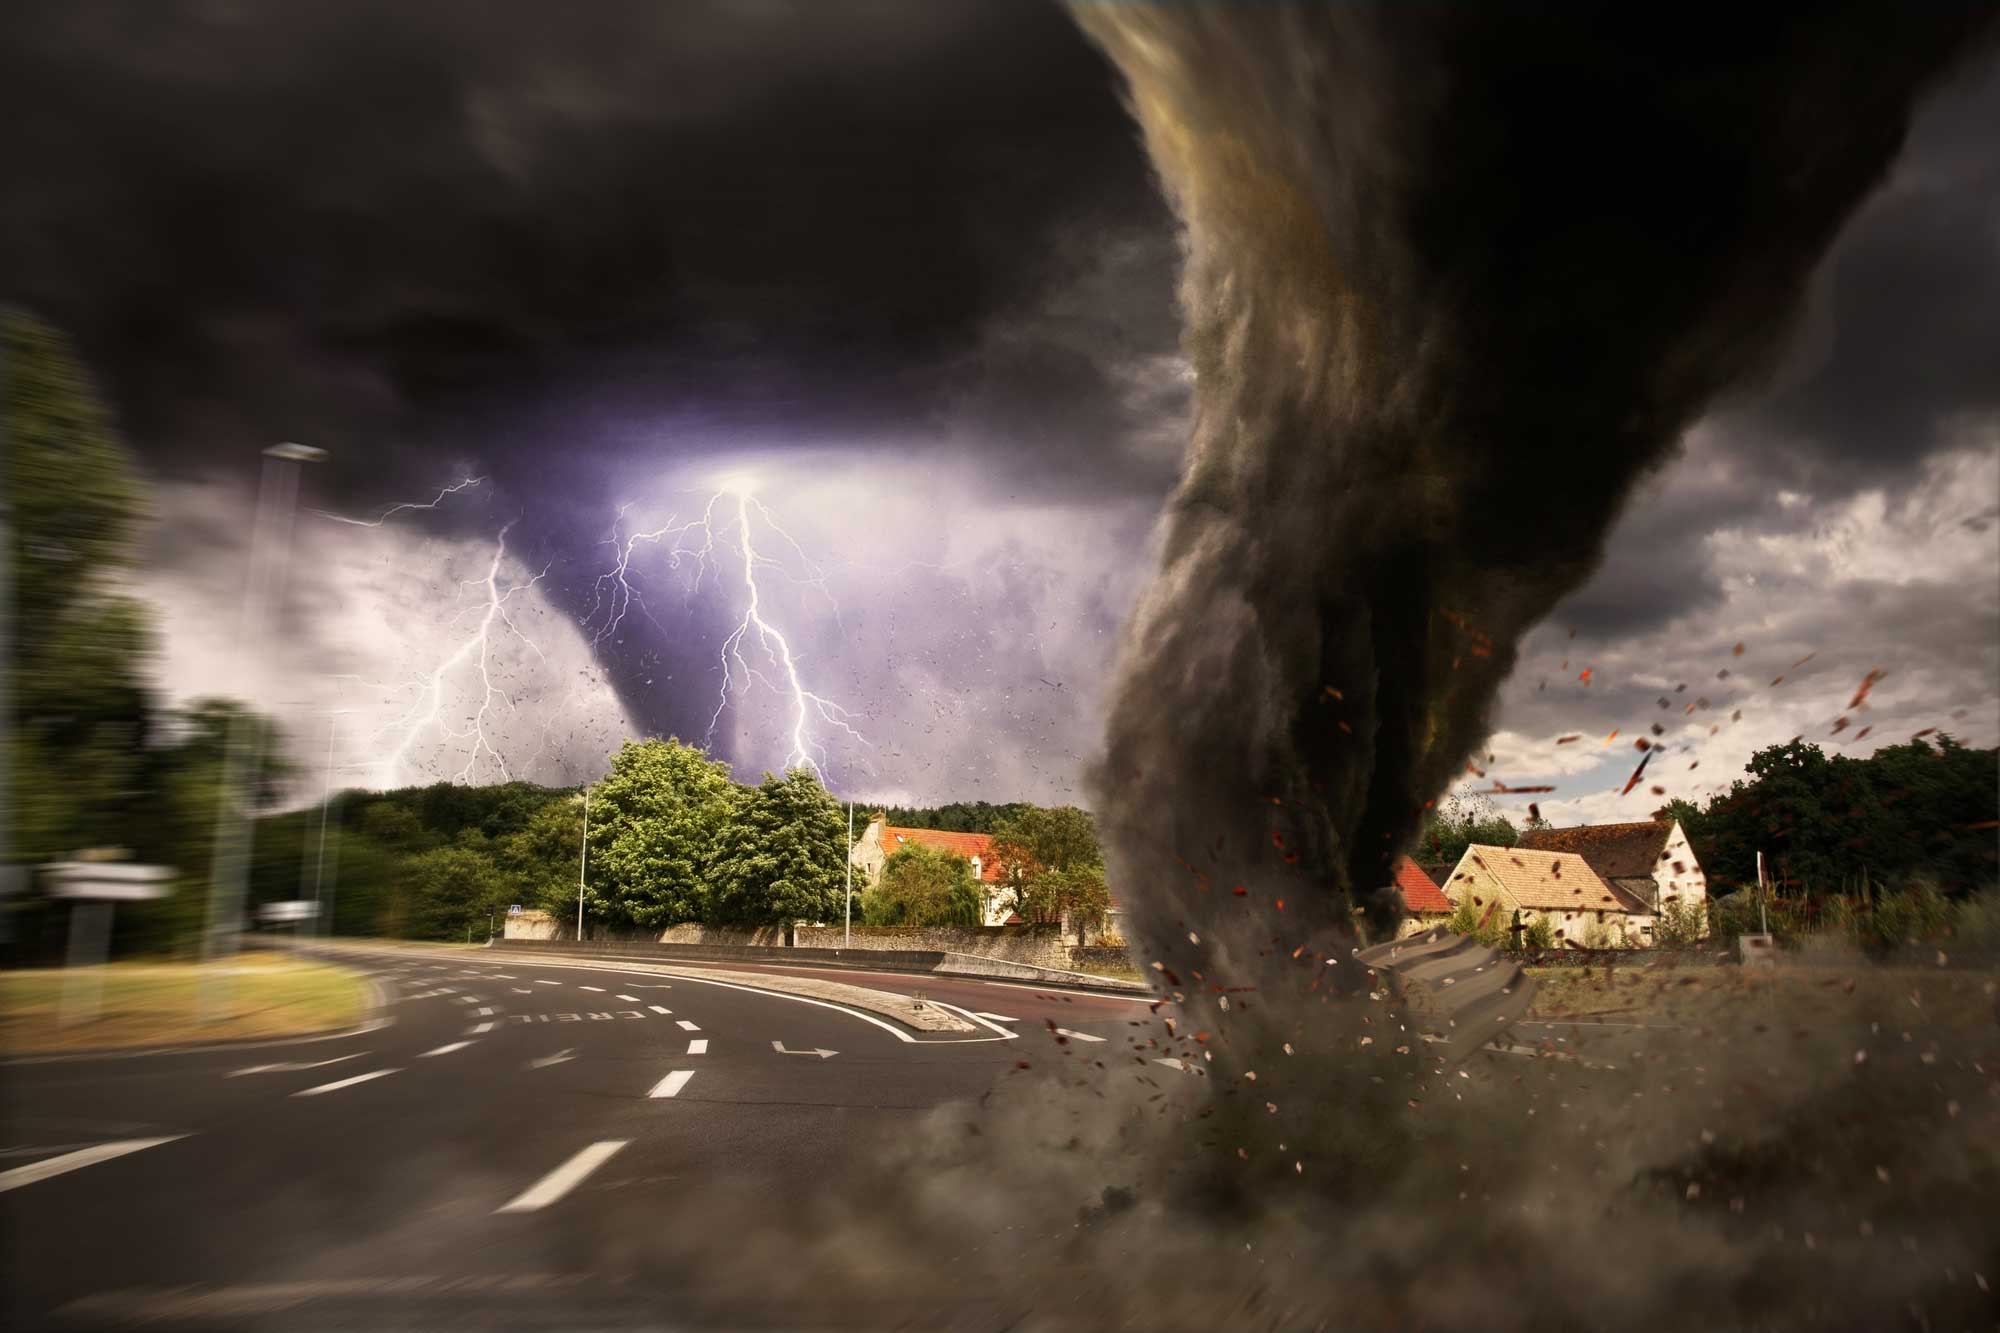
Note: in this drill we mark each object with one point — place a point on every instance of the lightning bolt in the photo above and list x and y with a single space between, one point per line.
393 510
426 711
725 532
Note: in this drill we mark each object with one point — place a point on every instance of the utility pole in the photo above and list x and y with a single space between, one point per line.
277 501
322 918
847 899
582 860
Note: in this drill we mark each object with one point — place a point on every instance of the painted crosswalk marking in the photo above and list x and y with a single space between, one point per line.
671 1085
338 1084
71 1161
564 1178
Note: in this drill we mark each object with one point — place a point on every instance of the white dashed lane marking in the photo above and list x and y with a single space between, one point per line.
658 1009
629 999
1076 1036
671 1085
686 1026
598 989
544 981
699 1046
485 1011
477 1028
71 1161
564 1178
338 1084
997 1018
445 1050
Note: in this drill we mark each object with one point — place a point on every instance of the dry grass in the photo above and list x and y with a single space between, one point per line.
159 1004
1697 996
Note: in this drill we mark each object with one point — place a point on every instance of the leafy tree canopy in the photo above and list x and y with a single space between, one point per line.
923 886
783 857
654 824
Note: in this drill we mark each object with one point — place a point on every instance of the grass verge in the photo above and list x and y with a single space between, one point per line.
159 1004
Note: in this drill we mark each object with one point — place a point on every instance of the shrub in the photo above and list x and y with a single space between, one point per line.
1680 923
1540 934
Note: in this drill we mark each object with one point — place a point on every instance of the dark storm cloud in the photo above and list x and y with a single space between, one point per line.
419 233
571 250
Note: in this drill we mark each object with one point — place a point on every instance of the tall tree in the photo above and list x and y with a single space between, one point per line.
654 823
782 856
1458 823
923 885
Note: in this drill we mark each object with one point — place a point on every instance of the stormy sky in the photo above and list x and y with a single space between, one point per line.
900 272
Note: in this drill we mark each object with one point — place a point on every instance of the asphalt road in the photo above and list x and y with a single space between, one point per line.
520 1144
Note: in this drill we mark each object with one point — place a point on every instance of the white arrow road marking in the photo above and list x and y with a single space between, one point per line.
699 1046
629 999
1076 1036
346 1082
478 1028
686 1026
543 1062
820 1051
70 1161
671 1085
445 1050
658 1009
290 1068
564 1178
998 1018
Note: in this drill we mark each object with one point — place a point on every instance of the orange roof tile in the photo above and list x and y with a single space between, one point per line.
967 845
1420 895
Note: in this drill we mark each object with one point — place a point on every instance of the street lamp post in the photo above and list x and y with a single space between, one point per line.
847 900
582 859
323 911
270 548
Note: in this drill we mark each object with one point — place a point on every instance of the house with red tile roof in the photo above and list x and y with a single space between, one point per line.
881 840
1424 904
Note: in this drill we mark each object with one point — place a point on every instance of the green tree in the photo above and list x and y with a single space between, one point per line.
923 886
1456 824
539 861
654 823
449 891
782 857
78 702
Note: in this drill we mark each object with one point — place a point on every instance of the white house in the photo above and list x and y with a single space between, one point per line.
1651 860
1557 887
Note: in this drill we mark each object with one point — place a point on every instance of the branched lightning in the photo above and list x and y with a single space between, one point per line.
725 532
393 510
427 709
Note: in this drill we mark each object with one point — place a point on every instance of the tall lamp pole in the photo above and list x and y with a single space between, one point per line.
847 899
270 547
323 912
582 860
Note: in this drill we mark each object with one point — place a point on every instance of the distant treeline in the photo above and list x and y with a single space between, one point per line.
958 817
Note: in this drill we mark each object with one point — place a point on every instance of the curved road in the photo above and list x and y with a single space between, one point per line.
502 1148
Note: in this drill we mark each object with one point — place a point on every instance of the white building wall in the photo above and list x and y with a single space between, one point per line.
1689 883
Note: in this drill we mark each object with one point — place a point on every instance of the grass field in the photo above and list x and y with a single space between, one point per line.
158 1004
1695 996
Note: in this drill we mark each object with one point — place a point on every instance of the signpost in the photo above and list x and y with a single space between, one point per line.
94 888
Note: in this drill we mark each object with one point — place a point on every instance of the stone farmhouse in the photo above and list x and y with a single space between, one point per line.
1559 887
1649 860
1424 904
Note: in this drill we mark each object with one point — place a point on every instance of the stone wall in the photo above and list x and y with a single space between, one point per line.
770 937
1038 946
530 925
